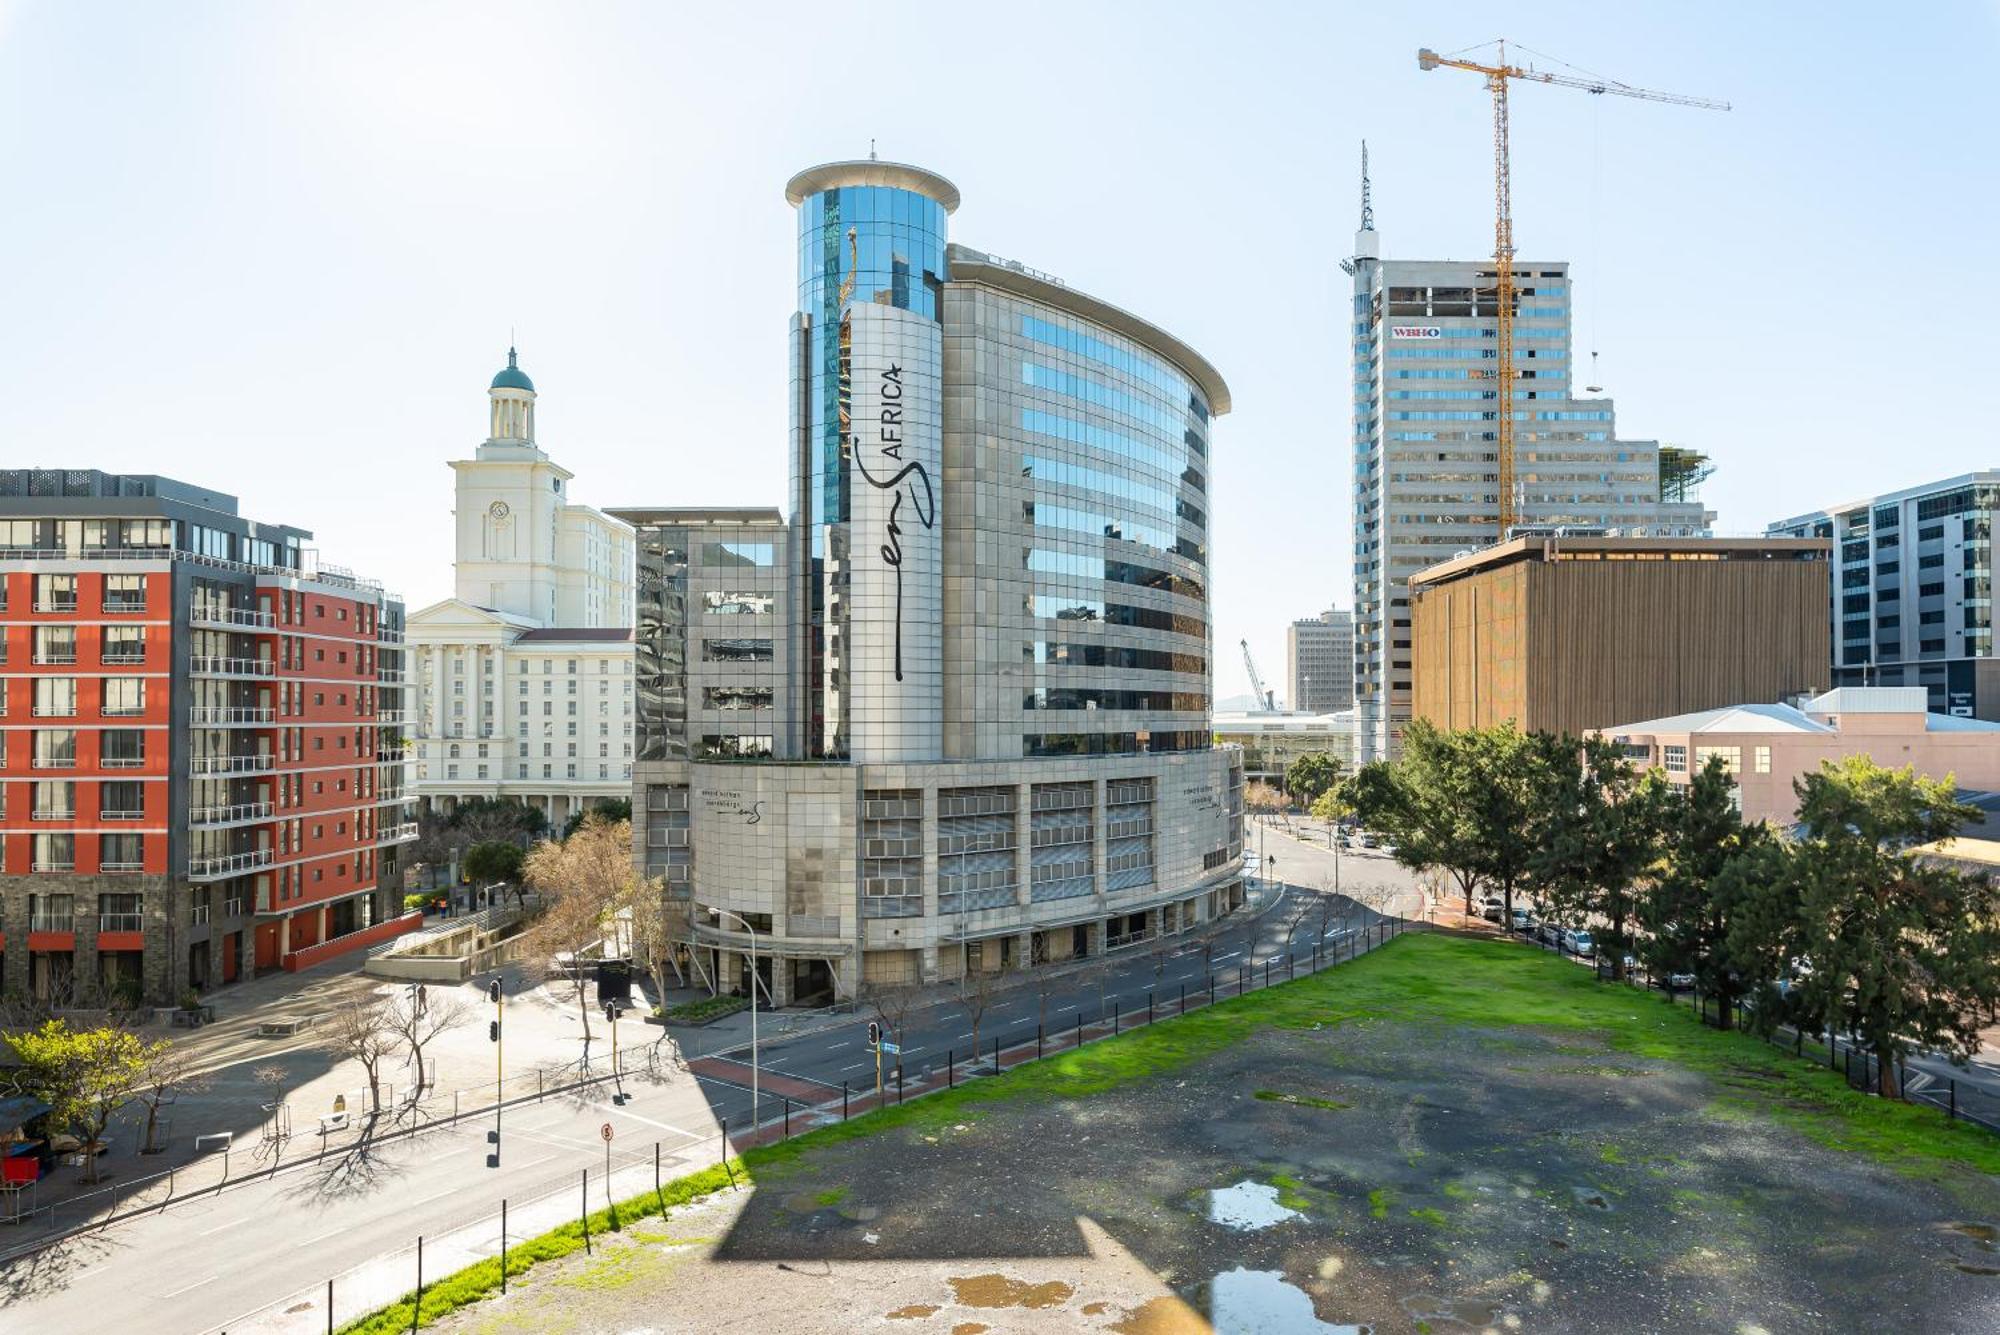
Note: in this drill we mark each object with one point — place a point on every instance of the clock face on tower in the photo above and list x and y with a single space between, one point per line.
498 509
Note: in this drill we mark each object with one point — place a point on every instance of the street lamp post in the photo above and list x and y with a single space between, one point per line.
754 1093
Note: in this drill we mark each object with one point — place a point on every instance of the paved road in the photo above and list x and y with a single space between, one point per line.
200 1262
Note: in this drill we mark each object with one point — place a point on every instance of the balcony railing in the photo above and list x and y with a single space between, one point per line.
55 864
233 908
397 834
42 920
228 716
120 868
198 914
121 922
53 657
229 764
389 676
211 665
234 814
388 635
126 658
54 711
123 711
116 813
55 604
54 813
124 606
246 617
390 717
227 864
122 762
52 762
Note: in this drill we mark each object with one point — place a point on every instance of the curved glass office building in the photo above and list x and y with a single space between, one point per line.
950 709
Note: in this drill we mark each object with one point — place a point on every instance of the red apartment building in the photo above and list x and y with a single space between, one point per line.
201 754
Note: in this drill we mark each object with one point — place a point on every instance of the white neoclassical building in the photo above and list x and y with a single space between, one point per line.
523 678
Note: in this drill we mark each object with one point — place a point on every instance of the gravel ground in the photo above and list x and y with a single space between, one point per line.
1386 1174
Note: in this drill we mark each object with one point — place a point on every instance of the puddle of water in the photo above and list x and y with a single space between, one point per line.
1987 1236
914 1312
1248 1206
1425 1307
1006 1291
1264 1302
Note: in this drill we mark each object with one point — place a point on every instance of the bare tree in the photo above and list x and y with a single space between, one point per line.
365 1032
661 924
1046 983
167 1072
584 880
892 1005
417 1017
978 989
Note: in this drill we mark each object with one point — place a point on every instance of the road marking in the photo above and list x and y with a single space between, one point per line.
192 1287
1061 1009
858 1066
428 1199
622 1112
234 1223
966 1034
332 1232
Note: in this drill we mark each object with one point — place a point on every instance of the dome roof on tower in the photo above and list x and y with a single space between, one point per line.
512 376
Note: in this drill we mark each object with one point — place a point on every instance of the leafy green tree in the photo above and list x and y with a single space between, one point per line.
84 1075
1500 792
1596 830
1310 775
1896 948
611 808
1331 806
494 860
1439 779
1711 861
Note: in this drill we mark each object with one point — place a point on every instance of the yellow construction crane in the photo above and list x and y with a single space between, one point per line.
1497 75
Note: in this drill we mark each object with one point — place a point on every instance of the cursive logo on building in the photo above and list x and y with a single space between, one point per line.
722 803
911 482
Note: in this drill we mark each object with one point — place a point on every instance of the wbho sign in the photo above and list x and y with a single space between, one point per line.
895 583
1416 331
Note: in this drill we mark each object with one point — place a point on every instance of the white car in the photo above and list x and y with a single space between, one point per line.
1578 944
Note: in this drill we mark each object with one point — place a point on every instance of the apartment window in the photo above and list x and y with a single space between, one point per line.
55 644
1676 759
123 852
54 799
51 913
55 593
1730 756
124 593
55 851
124 696
1762 756
55 697
123 645
121 799
55 748
121 748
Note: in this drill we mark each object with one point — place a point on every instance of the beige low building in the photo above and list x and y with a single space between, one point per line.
1768 746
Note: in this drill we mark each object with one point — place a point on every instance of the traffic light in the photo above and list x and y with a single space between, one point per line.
874 1034
493 1031
493 991
611 1011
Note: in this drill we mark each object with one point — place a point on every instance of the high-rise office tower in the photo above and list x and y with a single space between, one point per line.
1319 662
1426 461
952 713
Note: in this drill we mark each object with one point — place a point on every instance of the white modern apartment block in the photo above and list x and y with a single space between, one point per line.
1426 453
1913 590
1319 662
524 677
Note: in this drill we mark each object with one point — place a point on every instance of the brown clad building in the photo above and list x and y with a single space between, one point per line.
1562 634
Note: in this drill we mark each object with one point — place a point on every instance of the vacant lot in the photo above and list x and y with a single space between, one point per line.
1448 1134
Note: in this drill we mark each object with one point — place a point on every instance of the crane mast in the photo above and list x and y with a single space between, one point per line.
1497 76
1264 697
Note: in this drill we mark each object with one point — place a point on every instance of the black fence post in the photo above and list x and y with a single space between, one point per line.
996 1056
1038 1044
788 1117
329 1307
657 1199
503 1245
1267 973
1116 1017
417 1307
585 1216
843 1100
1079 1029
1149 1008
1951 1111
1211 989
950 1069
1183 999
899 1079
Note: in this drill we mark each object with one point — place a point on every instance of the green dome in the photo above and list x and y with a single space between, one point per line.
513 377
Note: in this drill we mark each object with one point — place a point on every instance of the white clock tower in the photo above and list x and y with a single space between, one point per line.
509 508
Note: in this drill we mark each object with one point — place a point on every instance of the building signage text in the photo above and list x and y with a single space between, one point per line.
1416 331
910 481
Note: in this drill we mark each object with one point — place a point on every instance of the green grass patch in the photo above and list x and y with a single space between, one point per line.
1300 1100
704 1010
1427 1215
1478 983
830 1197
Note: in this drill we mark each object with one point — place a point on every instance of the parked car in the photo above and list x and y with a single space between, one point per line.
1524 921
1578 943
1550 932
1369 841
1680 982
1492 908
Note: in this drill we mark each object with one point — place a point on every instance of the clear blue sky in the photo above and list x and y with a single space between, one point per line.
277 248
